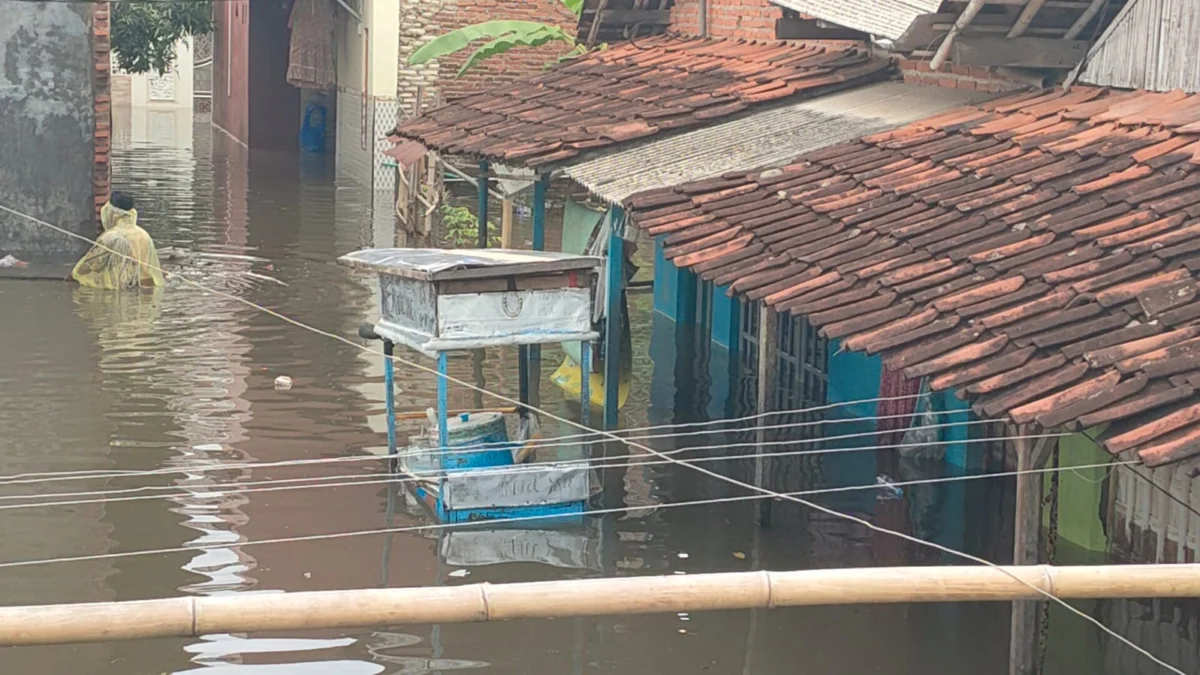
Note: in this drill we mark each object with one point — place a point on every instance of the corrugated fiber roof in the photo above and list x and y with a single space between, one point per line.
884 18
769 137
1036 254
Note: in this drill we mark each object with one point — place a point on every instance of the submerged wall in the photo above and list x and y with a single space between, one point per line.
54 165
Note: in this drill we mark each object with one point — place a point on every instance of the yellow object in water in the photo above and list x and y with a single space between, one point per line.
123 257
569 378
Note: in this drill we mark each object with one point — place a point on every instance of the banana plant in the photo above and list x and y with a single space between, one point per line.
501 35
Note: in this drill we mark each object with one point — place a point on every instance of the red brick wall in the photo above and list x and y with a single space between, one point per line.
102 100
747 19
979 78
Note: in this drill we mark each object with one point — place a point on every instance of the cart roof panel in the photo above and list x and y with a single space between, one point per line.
431 264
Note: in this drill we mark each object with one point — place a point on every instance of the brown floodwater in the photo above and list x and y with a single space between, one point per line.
182 379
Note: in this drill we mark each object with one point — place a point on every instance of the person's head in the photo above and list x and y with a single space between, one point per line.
119 206
121 201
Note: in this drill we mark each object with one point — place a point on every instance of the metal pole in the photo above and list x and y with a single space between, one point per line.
768 321
483 204
389 396
612 322
585 384
540 188
523 373
443 399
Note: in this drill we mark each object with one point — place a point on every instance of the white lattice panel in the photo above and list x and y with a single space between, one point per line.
387 112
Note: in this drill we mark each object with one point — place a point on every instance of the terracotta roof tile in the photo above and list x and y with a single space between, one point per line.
633 91
1008 359
1038 254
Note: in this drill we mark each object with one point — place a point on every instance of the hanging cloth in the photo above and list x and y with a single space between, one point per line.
310 58
894 414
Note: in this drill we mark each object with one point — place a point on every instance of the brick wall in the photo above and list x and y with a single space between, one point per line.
978 78
423 20
747 19
102 99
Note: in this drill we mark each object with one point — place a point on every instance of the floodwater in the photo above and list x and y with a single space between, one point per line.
181 379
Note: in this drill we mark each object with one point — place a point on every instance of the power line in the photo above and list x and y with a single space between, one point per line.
477 525
727 479
25 479
220 490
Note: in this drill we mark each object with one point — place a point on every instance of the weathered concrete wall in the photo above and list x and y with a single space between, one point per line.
47 126
231 69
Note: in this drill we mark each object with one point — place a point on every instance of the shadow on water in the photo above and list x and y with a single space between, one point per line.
184 379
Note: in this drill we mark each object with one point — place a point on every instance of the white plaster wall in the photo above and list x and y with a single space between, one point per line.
185 77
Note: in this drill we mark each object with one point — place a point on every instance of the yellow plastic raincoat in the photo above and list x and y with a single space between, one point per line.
123 257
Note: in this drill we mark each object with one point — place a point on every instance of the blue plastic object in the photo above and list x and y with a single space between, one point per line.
312 132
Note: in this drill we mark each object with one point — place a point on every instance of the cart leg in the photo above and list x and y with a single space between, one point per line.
483 204
443 401
389 383
612 321
585 385
523 373
540 188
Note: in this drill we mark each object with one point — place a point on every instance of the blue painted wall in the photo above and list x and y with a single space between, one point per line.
725 318
674 289
853 376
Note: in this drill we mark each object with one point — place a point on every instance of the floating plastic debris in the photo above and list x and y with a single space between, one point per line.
886 489
283 383
10 261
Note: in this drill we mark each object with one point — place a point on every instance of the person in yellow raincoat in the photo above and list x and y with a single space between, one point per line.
124 256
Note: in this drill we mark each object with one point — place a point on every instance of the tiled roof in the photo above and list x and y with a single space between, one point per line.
1036 254
632 91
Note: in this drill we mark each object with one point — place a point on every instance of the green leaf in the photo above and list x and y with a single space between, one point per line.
458 39
504 43
575 6
144 34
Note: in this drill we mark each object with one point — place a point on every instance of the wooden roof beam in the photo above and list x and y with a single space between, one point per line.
968 15
1084 19
1026 18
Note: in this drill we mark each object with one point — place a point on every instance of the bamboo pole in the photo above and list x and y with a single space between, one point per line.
195 616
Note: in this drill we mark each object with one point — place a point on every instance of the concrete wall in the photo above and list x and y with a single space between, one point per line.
231 69
47 126
274 104
252 99
175 89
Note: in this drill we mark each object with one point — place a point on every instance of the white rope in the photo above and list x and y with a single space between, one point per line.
615 437
220 490
437 452
51 476
477 524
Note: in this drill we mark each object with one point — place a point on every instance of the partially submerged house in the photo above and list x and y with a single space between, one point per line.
843 232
